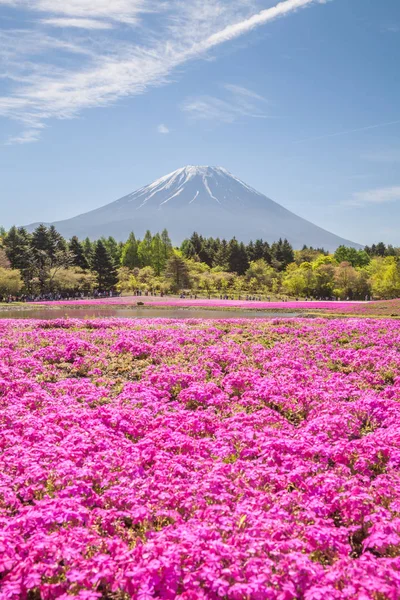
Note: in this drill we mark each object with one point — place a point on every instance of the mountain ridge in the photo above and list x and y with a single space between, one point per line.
210 200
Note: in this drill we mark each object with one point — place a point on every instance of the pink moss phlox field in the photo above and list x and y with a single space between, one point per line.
200 459
212 303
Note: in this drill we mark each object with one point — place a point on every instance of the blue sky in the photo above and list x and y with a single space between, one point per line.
300 99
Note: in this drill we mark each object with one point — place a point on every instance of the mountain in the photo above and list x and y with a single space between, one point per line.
209 200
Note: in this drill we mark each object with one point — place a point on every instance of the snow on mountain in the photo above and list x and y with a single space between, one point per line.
209 200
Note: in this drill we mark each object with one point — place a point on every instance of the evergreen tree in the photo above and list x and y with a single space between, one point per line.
222 256
158 259
237 257
282 254
380 249
41 241
43 253
287 253
267 254
166 244
258 250
250 250
130 257
49 254
113 249
78 257
197 241
56 243
104 267
207 253
17 247
188 250
88 250
145 250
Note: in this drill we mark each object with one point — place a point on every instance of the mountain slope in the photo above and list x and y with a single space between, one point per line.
209 200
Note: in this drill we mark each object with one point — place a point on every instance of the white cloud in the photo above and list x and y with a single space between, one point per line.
109 67
270 14
78 23
376 196
118 10
391 28
25 137
347 132
238 102
163 129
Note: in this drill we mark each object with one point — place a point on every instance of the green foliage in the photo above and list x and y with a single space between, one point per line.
11 282
145 252
78 256
17 247
385 277
45 262
104 267
130 256
177 272
262 276
357 258
237 257
74 279
158 258
4 262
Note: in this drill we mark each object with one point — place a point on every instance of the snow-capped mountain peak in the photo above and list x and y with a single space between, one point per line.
209 200
192 183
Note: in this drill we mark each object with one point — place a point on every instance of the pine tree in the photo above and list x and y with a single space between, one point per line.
104 267
42 254
158 259
188 249
287 253
237 257
88 250
56 243
166 244
78 254
41 241
222 256
144 250
380 249
129 257
267 255
251 253
207 253
17 247
197 241
49 255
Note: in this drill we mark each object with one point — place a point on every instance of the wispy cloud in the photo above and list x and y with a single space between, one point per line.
118 10
347 132
375 196
78 23
237 102
25 137
236 30
391 28
109 68
163 129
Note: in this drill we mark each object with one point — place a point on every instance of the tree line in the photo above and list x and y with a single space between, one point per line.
44 264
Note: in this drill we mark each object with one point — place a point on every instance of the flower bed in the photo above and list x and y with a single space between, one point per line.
200 459
212 303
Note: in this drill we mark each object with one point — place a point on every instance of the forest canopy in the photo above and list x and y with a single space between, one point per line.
43 263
